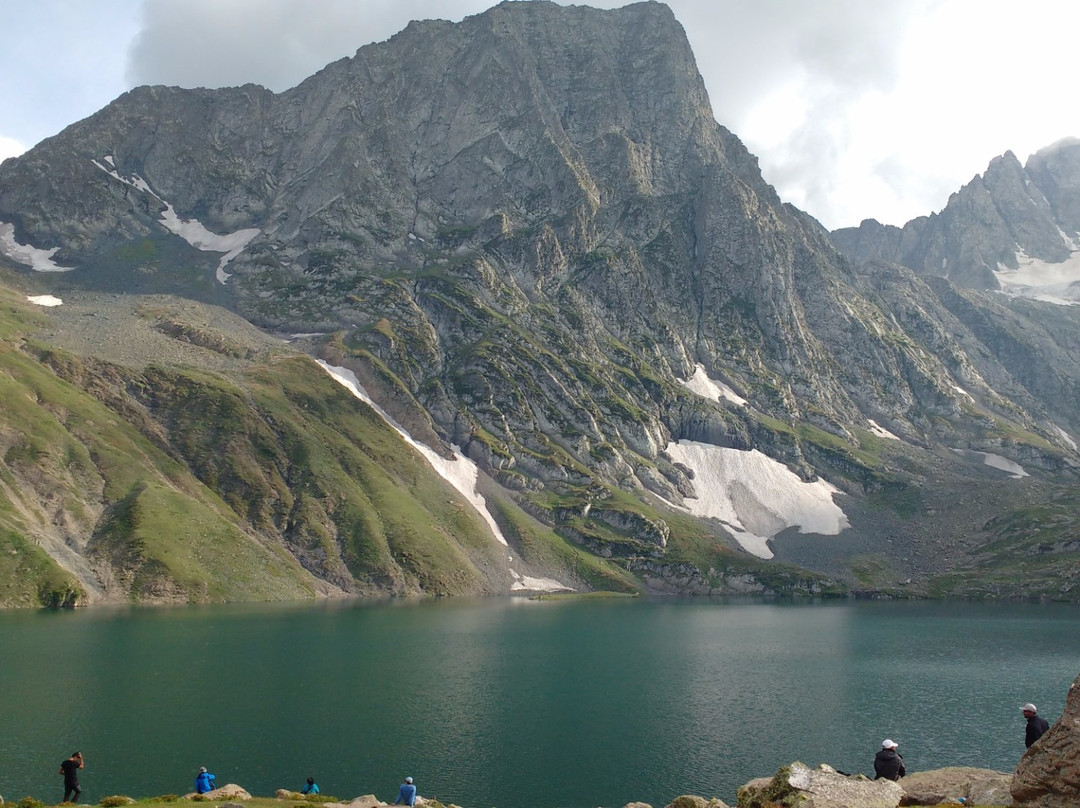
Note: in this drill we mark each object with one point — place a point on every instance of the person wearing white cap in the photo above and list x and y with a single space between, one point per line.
406 794
888 765
1036 725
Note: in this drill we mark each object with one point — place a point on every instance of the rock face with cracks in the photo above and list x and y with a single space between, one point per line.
1048 775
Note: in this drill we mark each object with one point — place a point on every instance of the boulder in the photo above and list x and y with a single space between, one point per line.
371 801
823 787
1048 775
637 805
955 783
285 794
690 801
230 791
366 801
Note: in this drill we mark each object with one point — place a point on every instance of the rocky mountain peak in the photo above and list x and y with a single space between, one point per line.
527 237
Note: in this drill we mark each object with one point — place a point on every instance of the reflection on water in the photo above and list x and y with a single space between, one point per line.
517 703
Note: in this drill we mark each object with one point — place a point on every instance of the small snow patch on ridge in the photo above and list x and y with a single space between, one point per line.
702 385
37 259
879 430
44 300
1014 470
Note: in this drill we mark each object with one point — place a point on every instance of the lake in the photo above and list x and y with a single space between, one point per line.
514 703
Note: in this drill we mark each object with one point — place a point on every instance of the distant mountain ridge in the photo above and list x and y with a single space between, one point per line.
1014 227
528 238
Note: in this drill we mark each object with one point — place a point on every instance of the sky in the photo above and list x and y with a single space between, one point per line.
855 109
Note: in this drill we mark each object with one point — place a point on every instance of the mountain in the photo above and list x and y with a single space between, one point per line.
533 246
1014 228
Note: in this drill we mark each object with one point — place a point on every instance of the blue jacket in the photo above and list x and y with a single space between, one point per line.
311 788
406 795
204 782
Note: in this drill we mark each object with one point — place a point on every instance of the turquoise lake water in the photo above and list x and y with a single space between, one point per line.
514 703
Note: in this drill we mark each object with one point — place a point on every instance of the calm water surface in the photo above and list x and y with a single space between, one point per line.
514 703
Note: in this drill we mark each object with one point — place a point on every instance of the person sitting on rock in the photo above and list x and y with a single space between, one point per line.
888 765
310 788
204 781
406 794
1036 725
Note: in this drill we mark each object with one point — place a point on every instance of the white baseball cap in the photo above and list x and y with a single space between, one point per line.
889 744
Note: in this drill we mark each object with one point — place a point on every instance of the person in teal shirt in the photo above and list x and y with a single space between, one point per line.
310 788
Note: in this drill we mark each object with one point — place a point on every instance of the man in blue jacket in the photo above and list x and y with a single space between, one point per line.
204 781
406 794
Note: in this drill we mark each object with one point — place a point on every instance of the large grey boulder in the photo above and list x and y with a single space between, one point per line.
823 787
973 786
691 801
365 801
229 791
1048 775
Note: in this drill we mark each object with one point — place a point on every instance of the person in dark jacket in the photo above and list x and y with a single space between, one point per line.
1036 725
70 769
888 765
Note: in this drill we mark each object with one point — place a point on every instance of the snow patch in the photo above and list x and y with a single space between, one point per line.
1014 470
880 431
702 385
1051 283
963 392
191 230
1066 437
36 259
49 300
756 496
459 471
195 233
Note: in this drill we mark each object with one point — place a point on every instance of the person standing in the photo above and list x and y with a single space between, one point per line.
888 765
406 794
204 781
70 769
1036 724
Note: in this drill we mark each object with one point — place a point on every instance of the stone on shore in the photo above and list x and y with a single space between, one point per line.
973 786
230 791
366 801
1048 775
637 805
690 801
823 787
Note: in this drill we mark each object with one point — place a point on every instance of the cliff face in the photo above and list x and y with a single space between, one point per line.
525 232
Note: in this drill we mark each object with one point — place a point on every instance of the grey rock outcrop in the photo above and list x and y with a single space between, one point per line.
823 787
692 801
958 783
1048 775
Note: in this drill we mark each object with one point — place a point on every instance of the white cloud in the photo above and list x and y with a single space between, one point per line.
9 147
